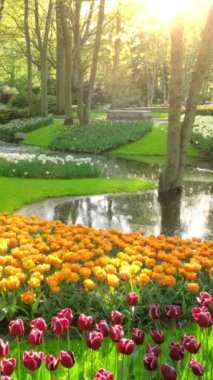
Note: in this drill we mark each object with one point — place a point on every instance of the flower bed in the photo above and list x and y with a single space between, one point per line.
105 350
43 166
203 133
205 110
8 131
50 261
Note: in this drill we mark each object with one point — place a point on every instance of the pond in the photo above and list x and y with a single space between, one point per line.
188 216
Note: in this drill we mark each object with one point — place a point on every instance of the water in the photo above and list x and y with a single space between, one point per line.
188 216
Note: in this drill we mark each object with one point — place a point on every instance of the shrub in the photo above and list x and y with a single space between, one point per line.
7 94
8 131
11 113
42 166
100 136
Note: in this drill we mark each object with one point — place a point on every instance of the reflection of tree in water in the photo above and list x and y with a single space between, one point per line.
170 205
67 212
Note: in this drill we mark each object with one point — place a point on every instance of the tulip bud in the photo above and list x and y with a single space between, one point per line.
116 333
67 359
103 374
176 351
190 344
51 362
35 337
94 340
204 299
202 316
150 361
116 317
172 311
66 313
157 336
126 346
59 325
8 366
138 335
85 322
168 372
39 323
154 311
4 349
32 360
132 299
196 367
16 327
156 350
103 327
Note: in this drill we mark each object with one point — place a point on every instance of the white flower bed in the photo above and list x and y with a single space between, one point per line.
43 158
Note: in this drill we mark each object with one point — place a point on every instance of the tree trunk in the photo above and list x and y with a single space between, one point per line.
179 135
87 107
60 70
169 178
29 58
78 63
116 63
44 77
67 36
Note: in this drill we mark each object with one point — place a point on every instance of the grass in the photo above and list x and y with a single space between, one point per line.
160 115
17 192
43 136
153 144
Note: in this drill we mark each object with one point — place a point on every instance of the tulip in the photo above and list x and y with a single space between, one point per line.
116 333
32 360
4 349
156 350
196 367
16 327
154 311
67 359
39 323
176 351
103 327
157 336
132 299
202 316
8 366
66 313
190 344
85 322
172 311
6 378
138 335
103 374
126 346
168 372
150 361
116 317
51 362
204 299
36 337
59 325
94 340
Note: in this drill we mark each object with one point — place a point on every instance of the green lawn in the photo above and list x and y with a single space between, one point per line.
160 115
16 192
153 144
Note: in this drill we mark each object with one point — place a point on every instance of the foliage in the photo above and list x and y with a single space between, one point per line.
100 136
11 113
205 110
7 94
8 131
203 133
42 166
64 262
17 192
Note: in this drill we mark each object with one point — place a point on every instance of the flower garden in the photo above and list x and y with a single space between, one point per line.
92 304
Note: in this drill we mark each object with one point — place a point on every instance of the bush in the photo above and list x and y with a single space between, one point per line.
10 113
100 136
7 94
8 131
205 110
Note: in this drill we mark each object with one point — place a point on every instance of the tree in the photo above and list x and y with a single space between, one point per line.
2 3
179 134
43 49
60 65
29 57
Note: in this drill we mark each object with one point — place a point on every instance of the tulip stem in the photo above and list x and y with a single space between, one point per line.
92 364
58 346
19 358
69 374
68 339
